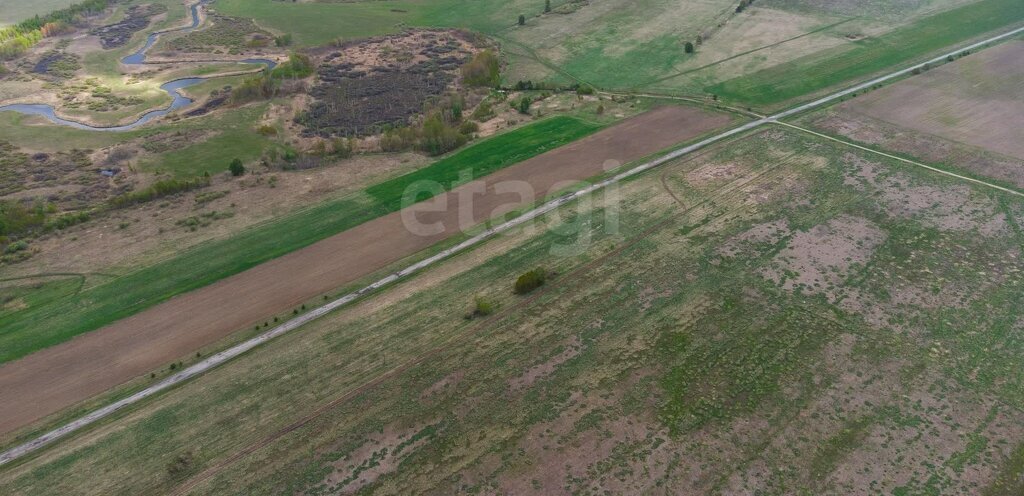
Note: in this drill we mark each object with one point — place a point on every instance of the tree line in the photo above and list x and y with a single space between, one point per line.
16 39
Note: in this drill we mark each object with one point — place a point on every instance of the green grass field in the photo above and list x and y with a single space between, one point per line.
488 156
790 326
15 11
32 328
627 43
235 137
781 84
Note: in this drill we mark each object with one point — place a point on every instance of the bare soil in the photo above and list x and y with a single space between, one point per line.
58 377
979 100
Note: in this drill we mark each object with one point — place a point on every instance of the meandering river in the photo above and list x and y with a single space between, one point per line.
173 88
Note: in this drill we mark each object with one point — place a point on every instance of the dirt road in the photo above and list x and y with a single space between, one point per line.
52 379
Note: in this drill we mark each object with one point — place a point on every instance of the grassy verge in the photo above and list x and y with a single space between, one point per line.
784 82
34 328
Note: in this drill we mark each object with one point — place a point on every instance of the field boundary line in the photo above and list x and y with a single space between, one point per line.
742 54
904 160
221 357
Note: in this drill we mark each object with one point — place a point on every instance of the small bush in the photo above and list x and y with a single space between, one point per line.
522 20
236 167
600 109
530 281
524 105
585 89
483 307
688 47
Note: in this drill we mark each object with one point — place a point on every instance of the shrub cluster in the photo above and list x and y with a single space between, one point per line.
482 70
442 131
158 189
530 281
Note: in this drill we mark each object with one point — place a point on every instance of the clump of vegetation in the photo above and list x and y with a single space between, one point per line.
524 105
283 40
232 32
482 307
298 66
202 198
58 64
530 281
18 219
688 47
236 168
484 112
159 189
283 80
440 132
482 70
181 465
16 39
202 220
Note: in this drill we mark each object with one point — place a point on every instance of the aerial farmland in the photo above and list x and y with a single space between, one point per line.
529 247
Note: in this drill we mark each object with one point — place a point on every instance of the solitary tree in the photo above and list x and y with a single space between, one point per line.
236 167
547 6
688 47
522 20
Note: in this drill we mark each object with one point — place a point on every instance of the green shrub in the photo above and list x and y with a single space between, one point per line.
585 89
482 70
236 167
298 66
524 105
530 281
483 307
158 189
